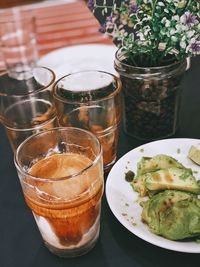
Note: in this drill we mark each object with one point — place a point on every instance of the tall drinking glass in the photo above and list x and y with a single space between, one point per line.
61 174
18 42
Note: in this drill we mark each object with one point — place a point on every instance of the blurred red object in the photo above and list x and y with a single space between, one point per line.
11 3
66 25
61 23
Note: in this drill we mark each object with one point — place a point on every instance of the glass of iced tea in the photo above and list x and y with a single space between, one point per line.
91 100
61 174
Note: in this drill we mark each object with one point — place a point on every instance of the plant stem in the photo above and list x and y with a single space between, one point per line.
153 7
186 5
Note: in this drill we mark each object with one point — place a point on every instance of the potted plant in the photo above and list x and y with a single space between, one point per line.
154 38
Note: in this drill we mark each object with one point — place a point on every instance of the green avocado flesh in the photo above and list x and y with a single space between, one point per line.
173 214
161 161
163 172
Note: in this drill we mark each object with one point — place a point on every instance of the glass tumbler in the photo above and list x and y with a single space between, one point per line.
27 106
91 100
61 174
18 42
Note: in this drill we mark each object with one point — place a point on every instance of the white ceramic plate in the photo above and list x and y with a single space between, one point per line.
80 57
123 201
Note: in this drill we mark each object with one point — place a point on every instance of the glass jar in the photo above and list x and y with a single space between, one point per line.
151 98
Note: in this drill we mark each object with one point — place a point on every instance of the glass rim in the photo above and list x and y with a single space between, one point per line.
35 127
64 100
56 129
53 78
173 64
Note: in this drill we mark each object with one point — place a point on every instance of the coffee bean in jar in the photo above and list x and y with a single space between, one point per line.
151 98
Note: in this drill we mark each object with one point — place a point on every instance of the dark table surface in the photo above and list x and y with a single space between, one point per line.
20 241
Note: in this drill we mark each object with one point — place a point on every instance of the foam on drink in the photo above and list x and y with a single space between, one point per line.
88 82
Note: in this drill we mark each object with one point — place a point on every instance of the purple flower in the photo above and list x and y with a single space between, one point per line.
132 8
188 19
195 48
102 29
109 19
90 4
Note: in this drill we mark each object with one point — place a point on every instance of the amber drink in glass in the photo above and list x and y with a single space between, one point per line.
61 173
27 106
91 100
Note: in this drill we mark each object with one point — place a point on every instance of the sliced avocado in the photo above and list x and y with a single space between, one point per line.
172 178
161 161
173 214
138 185
194 154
